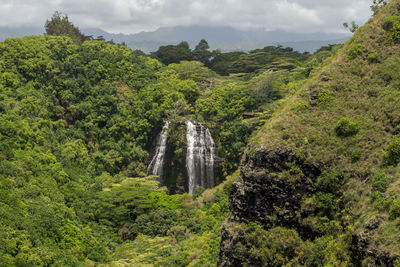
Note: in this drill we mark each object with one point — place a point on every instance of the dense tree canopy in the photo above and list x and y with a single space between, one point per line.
77 123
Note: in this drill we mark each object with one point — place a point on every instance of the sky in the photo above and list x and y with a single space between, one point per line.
132 16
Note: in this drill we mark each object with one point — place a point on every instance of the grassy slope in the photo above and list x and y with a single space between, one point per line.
355 89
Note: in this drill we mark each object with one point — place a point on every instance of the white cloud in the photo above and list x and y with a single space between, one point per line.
131 16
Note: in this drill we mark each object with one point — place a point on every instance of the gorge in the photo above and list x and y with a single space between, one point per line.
110 157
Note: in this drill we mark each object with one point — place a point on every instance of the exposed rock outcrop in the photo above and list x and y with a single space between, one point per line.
270 190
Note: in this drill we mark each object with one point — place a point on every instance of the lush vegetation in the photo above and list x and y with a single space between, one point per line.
79 118
267 58
344 121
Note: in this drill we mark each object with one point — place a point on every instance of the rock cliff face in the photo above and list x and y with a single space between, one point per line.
265 195
269 191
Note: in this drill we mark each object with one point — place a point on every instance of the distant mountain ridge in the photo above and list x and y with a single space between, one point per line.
225 38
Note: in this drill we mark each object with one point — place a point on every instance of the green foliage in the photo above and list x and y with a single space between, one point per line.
394 211
172 54
389 22
329 251
281 246
124 201
195 71
346 127
176 234
354 51
156 223
380 182
353 28
78 117
388 72
202 45
225 105
276 247
201 53
392 25
221 63
161 200
355 155
198 191
325 203
75 119
184 45
60 25
270 57
381 202
373 58
330 181
324 97
391 153
377 4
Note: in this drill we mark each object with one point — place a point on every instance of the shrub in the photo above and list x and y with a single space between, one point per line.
324 97
354 51
392 25
389 22
355 156
381 202
198 191
179 233
328 251
394 211
346 127
156 223
380 182
325 203
330 181
373 58
275 247
389 72
392 151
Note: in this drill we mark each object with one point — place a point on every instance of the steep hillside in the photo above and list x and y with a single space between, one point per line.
319 183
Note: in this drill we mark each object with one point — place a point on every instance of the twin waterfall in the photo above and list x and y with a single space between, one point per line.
199 156
156 165
200 152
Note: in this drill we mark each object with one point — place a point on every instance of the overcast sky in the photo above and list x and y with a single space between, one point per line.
130 16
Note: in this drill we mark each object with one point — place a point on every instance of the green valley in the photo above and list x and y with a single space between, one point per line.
304 152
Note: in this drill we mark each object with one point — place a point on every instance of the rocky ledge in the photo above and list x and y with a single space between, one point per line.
269 191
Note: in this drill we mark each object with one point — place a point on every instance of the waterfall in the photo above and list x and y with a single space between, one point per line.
200 153
199 156
156 165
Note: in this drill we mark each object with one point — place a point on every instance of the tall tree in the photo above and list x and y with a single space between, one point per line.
202 45
377 4
184 45
201 52
61 26
172 54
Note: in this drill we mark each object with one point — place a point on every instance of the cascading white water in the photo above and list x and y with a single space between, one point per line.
199 156
156 165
